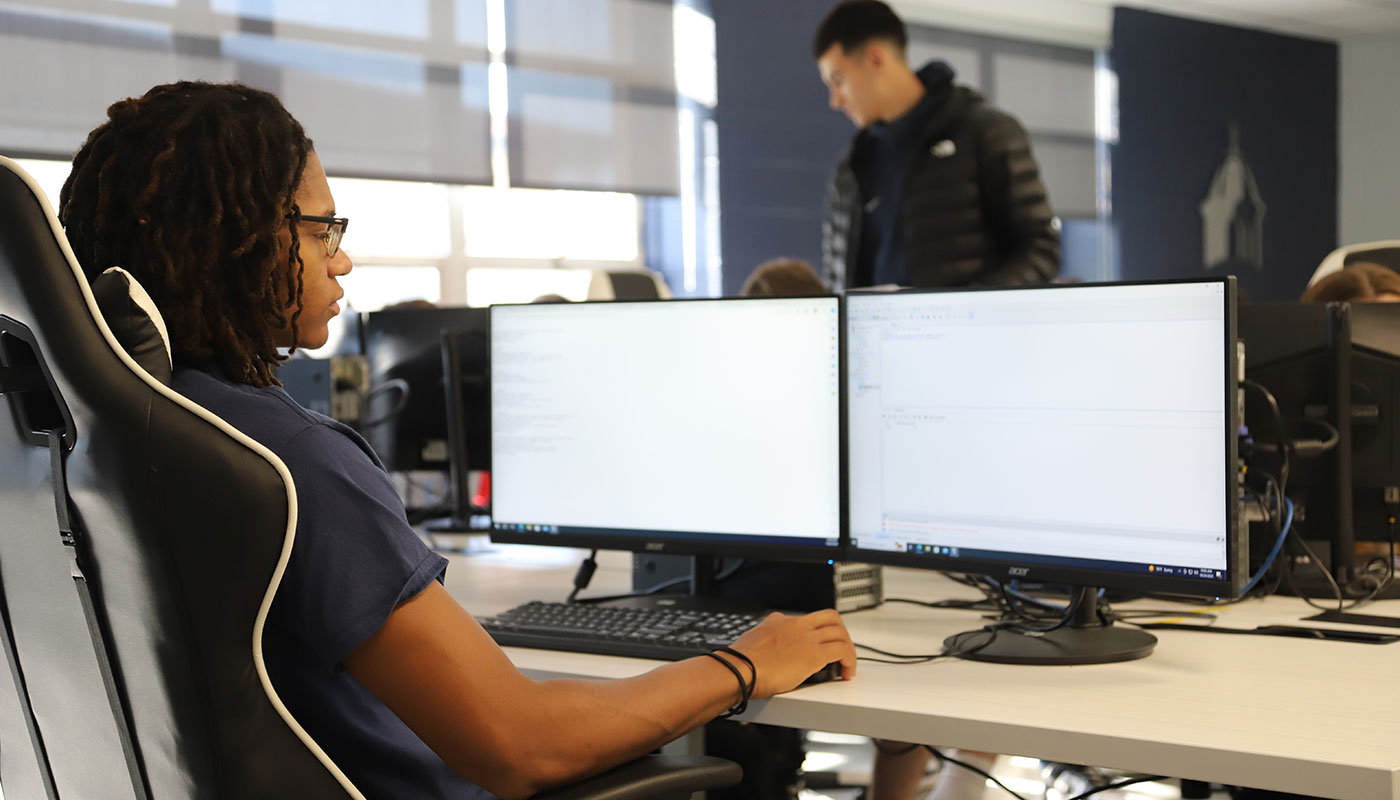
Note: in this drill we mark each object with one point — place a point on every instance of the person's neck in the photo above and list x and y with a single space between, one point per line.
905 93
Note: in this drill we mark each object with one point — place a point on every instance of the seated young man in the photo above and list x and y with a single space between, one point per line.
212 196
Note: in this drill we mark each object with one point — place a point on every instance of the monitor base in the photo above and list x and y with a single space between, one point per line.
1065 646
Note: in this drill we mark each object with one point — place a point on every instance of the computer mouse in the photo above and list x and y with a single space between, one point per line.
830 672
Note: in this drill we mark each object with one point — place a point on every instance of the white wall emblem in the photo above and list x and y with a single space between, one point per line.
1232 213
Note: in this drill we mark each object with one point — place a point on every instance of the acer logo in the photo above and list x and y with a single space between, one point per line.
1019 572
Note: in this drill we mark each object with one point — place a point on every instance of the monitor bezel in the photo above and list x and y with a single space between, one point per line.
375 326
660 542
1237 561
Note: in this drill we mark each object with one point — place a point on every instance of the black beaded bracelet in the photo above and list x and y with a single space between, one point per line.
753 671
745 691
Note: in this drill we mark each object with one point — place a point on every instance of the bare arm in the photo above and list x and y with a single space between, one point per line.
444 676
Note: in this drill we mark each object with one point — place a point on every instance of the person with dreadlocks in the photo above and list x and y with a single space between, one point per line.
212 196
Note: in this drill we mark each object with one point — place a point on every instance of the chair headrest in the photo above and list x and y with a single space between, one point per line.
135 321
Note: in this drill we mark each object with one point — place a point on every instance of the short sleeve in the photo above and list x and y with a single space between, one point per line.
355 558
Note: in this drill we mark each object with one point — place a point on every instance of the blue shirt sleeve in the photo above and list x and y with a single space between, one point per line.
355 557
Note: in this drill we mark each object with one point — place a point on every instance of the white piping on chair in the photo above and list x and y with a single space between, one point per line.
237 436
143 300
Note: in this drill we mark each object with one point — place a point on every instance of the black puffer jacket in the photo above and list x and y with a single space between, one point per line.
975 211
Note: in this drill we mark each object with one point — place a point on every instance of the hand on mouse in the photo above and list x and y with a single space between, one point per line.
787 650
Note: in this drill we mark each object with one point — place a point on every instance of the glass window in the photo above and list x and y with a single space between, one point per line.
372 287
50 176
405 18
394 219
1048 95
489 286
550 225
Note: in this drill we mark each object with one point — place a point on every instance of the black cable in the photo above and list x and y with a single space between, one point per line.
1381 584
584 575
904 658
1316 561
1016 612
393 384
1283 442
650 590
1307 447
1118 785
963 605
945 760
924 658
1148 613
661 587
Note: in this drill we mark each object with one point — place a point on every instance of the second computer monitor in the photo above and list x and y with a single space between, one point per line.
704 426
1074 434
407 417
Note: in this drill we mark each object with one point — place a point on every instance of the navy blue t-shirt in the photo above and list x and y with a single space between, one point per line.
355 558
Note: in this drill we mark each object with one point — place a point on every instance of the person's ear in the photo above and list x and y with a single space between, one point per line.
876 57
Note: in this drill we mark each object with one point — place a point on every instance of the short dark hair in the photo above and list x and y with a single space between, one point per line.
188 187
1361 281
855 23
783 277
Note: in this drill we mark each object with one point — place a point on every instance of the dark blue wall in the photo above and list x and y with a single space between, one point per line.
778 140
1181 84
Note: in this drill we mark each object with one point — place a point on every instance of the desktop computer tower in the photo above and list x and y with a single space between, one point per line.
771 584
332 386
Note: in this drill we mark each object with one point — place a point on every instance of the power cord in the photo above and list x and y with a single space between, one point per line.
680 580
1286 527
924 658
1283 443
392 385
1316 561
946 759
1308 447
584 575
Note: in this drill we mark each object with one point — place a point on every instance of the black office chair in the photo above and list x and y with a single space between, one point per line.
141 541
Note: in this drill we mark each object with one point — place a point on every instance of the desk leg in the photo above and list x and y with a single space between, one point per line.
691 744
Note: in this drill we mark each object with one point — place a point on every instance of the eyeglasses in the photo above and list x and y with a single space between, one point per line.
332 235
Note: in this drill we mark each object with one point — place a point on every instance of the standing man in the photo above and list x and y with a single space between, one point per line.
938 188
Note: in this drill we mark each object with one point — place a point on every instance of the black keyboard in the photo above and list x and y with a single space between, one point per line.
666 634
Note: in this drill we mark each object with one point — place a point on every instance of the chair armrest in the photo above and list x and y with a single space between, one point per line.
658 777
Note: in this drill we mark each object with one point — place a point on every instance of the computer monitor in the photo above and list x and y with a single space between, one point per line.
1083 435
466 366
679 426
406 420
1326 364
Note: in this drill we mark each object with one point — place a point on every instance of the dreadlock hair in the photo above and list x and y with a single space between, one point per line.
188 189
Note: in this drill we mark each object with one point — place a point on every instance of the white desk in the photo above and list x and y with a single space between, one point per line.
1269 712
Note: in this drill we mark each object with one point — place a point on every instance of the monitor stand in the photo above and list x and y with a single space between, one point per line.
703 595
1085 639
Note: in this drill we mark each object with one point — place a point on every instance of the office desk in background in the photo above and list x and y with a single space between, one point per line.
1311 717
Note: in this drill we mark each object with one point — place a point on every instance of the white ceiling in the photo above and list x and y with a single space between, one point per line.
1089 21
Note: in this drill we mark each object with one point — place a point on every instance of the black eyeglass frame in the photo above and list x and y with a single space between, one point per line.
332 237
